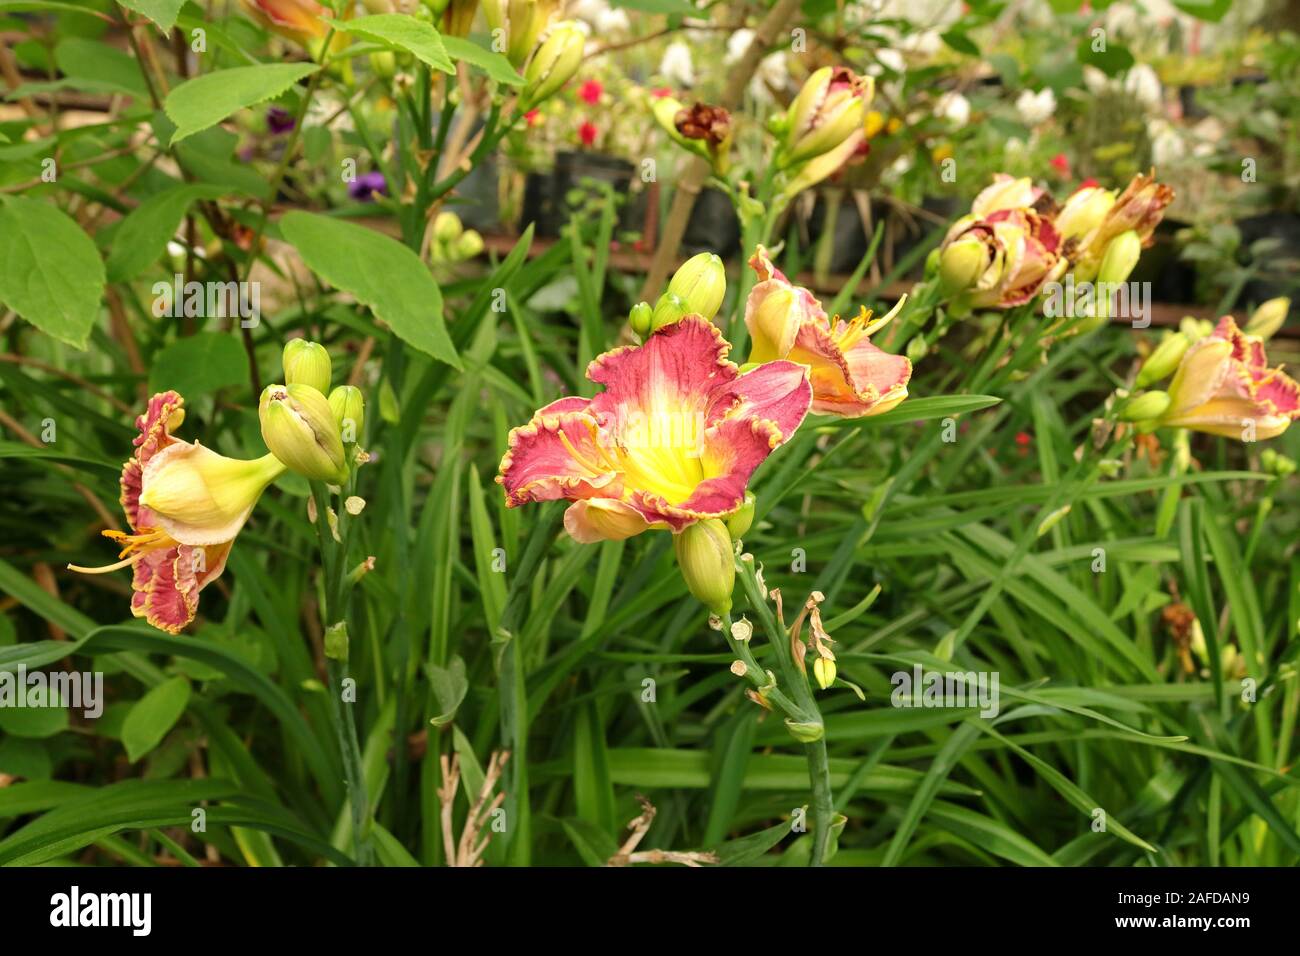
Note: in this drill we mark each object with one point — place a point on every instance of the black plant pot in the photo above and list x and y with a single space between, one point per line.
477 201
1284 227
1172 280
546 194
910 232
713 226
849 240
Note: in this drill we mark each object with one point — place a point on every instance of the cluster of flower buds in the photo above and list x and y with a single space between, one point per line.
1222 385
697 288
1016 240
452 242
309 433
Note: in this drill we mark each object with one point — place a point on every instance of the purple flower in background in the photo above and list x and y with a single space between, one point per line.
279 121
366 186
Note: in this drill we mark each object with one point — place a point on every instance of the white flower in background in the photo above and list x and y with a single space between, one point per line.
1207 134
613 21
1167 146
325 106
926 43
772 74
589 10
676 64
1035 108
1143 85
737 44
898 168
887 59
953 107
1096 81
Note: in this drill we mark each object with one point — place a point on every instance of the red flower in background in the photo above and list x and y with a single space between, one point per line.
590 92
1061 163
588 132
532 116
660 92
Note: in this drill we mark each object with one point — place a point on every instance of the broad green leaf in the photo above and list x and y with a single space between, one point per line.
161 12
50 271
206 100
153 716
100 63
47 718
401 32
494 64
200 364
143 235
381 272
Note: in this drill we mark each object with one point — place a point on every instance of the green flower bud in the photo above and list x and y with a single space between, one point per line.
349 408
640 318
1268 318
469 244
707 562
1145 407
1164 360
740 520
669 309
917 349
960 264
1274 464
1195 329
447 227
1119 260
824 672
307 363
701 283
554 63
932 263
299 429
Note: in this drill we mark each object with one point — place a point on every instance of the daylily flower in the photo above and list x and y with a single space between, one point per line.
1224 386
672 440
185 504
850 377
1008 192
1001 260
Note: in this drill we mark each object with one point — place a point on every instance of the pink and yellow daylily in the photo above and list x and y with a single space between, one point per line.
672 439
1002 259
851 378
185 504
1224 386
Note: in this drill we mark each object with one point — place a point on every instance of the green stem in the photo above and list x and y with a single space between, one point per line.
334 611
823 806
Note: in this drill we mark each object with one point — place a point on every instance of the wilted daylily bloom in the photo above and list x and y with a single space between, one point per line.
672 440
1139 208
1008 192
1000 260
850 377
185 504
1224 386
